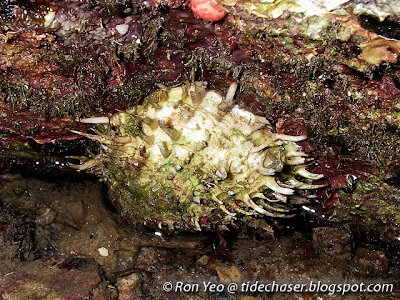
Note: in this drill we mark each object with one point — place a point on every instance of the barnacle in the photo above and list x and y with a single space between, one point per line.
188 158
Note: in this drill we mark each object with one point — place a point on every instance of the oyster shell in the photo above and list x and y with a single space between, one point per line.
188 159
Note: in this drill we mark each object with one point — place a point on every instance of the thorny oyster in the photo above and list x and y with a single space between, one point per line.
188 158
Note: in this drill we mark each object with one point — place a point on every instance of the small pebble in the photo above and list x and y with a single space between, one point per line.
122 28
103 251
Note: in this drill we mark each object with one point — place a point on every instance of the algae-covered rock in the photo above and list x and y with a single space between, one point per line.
372 211
329 65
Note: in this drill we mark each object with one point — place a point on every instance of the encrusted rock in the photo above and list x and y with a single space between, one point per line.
333 242
57 277
129 287
372 262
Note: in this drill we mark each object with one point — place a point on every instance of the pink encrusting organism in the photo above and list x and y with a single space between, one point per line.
208 10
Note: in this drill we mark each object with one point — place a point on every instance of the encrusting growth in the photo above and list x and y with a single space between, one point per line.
188 159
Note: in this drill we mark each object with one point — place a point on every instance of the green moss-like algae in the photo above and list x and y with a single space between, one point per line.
373 209
140 203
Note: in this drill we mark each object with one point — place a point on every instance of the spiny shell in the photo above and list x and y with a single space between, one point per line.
187 158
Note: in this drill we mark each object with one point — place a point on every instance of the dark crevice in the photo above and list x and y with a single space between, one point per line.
388 28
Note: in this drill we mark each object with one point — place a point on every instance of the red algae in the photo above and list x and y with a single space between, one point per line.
208 10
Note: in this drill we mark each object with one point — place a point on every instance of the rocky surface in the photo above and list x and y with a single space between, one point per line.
331 71
74 245
328 70
335 69
57 277
16 238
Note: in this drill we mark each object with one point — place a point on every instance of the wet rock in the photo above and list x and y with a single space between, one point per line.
372 262
334 242
226 273
72 218
344 182
222 253
46 216
285 260
176 242
46 240
243 297
393 173
77 212
57 277
371 212
16 242
152 259
156 259
129 287
203 260
99 235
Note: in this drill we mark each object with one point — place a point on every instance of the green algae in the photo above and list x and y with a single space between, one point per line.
373 209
